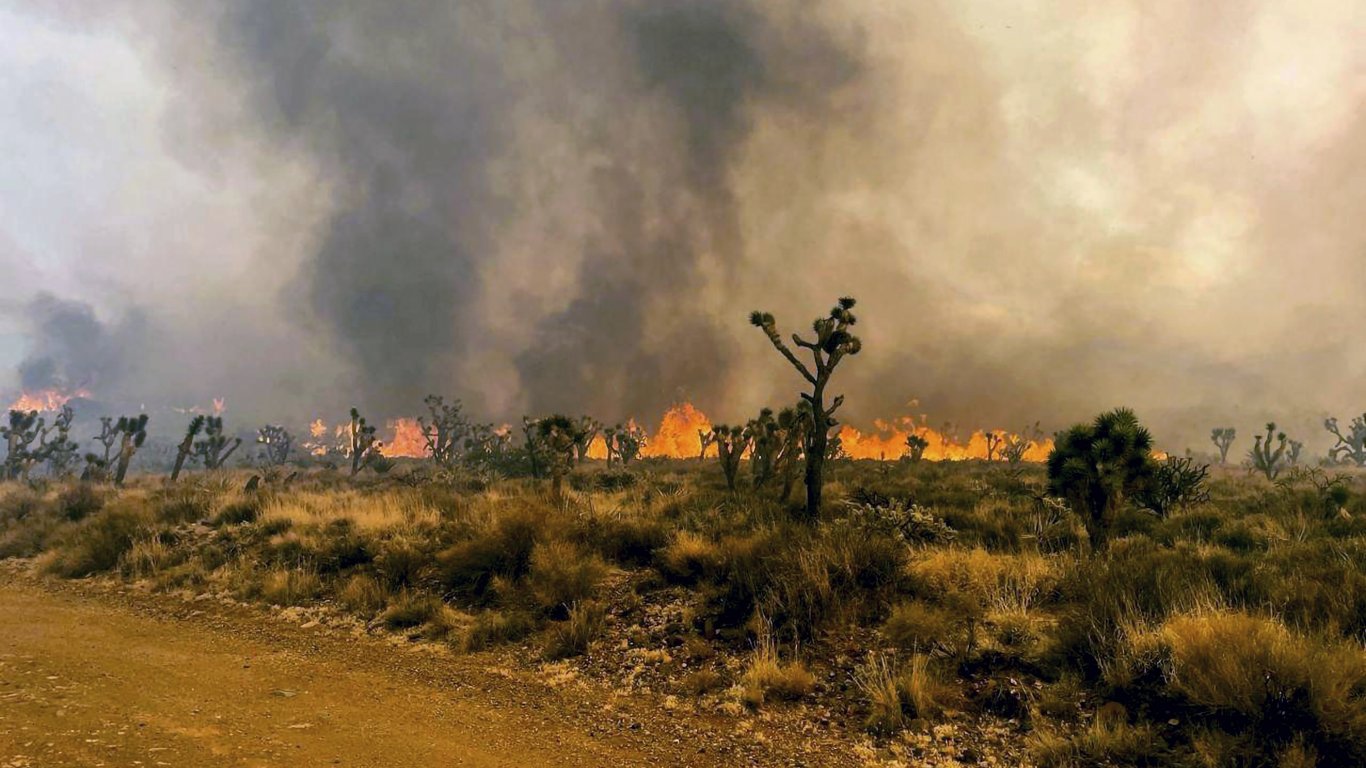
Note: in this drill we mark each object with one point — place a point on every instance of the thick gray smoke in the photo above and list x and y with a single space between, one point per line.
539 205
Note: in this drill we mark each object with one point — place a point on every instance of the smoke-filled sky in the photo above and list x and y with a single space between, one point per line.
1044 209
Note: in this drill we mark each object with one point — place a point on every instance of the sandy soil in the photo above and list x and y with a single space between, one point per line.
102 677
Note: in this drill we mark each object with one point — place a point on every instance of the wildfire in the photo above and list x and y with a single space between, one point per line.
45 400
407 441
677 438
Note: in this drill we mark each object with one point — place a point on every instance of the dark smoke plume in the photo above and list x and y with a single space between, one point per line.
540 205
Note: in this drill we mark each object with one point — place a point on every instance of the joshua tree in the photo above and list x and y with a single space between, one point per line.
530 429
276 442
1351 446
131 433
832 343
994 441
216 447
915 447
705 439
59 452
559 434
1097 466
363 447
1266 460
1223 437
23 428
731 443
587 432
485 442
1292 456
186 447
624 442
764 442
1016 446
446 432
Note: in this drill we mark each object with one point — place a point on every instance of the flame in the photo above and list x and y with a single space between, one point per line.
887 441
677 434
407 442
677 438
219 405
45 400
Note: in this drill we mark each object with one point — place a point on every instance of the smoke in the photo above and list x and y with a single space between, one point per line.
539 206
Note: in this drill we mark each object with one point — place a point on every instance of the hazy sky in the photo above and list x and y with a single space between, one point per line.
1045 209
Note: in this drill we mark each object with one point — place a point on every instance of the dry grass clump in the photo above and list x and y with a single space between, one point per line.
99 542
920 626
769 677
562 574
897 694
491 628
393 508
572 636
1106 741
689 558
363 594
148 556
292 586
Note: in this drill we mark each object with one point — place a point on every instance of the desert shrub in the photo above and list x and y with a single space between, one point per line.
700 682
491 628
561 575
97 543
400 562
572 636
18 505
627 540
28 538
149 555
290 586
919 626
769 677
897 694
410 609
467 569
338 545
1174 484
897 518
689 558
77 502
363 594
238 512
1106 741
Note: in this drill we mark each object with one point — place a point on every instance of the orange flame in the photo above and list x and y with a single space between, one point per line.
45 400
407 442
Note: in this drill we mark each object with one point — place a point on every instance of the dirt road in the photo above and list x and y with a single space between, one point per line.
92 682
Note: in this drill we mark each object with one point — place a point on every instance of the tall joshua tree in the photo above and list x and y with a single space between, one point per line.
1266 460
19 433
186 447
132 433
994 441
59 452
832 343
1223 438
588 430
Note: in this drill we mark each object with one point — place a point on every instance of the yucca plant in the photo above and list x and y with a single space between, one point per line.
1097 467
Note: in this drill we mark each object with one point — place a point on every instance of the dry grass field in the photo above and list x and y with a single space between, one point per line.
937 612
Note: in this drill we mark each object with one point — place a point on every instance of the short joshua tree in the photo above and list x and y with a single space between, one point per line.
731 443
363 448
831 343
1351 447
215 447
559 435
915 448
275 445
